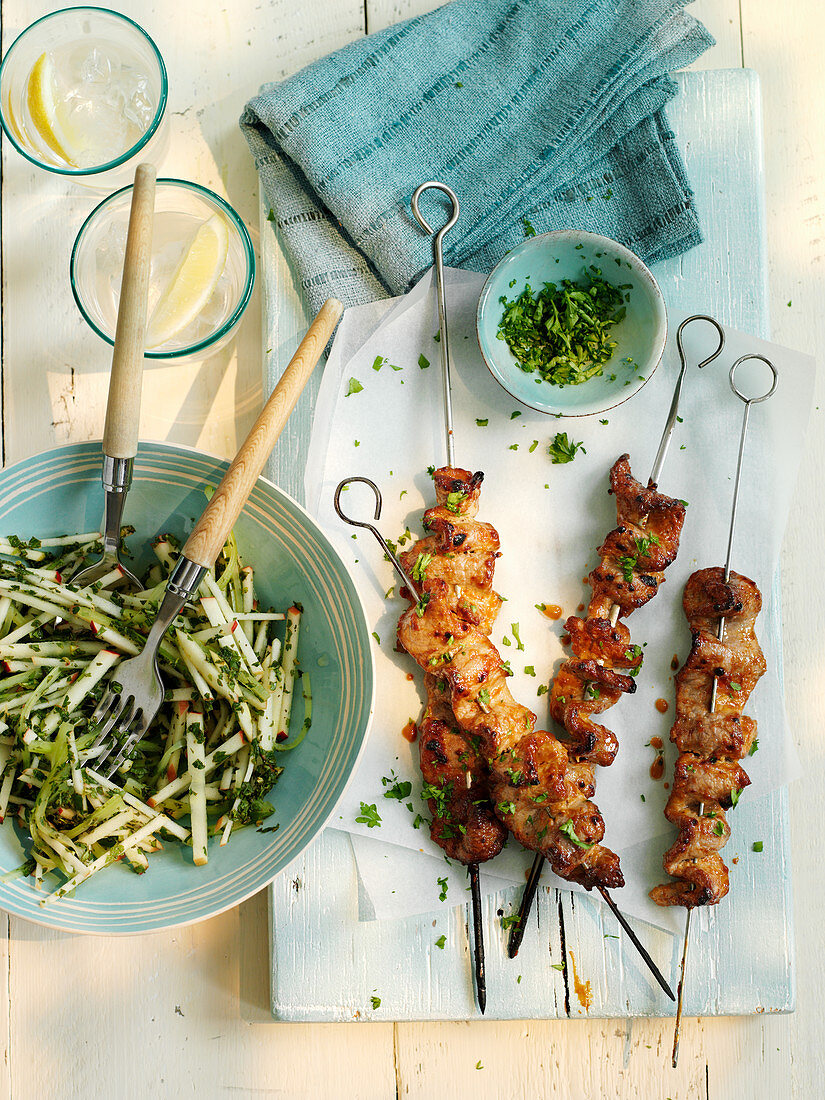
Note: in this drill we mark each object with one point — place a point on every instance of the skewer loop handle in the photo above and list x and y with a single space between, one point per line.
399 568
738 392
711 321
419 217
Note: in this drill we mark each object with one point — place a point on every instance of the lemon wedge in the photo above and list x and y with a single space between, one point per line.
192 283
46 111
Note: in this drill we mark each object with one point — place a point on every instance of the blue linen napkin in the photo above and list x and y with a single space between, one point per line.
541 114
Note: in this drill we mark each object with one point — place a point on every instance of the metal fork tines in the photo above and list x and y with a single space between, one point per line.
130 709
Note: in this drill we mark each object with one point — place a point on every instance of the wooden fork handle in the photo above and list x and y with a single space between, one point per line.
120 435
213 527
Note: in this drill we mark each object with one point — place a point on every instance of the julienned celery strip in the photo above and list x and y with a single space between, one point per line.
207 762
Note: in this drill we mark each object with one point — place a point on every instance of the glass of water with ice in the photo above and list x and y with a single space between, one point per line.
201 275
83 94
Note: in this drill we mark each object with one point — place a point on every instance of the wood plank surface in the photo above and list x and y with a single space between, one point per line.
65 999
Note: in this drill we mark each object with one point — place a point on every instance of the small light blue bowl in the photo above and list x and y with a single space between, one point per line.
564 254
59 492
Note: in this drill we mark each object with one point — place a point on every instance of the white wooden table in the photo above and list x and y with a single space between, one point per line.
187 1012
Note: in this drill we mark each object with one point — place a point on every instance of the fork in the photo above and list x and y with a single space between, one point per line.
120 433
124 716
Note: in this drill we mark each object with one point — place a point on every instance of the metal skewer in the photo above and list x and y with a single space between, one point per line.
449 437
444 341
517 930
720 633
438 264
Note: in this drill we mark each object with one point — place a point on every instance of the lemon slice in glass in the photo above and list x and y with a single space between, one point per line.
192 283
46 111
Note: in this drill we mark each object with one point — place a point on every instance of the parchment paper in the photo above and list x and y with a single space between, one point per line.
550 519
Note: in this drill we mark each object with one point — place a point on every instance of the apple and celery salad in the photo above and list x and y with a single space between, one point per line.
210 757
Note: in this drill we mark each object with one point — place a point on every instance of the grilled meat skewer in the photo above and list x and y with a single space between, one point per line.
708 778
455 565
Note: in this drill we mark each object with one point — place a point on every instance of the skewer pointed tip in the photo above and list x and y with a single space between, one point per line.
637 943
478 939
530 887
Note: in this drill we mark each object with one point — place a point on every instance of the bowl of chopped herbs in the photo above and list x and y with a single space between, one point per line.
571 323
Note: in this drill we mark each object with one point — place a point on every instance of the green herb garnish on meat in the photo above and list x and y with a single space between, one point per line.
562 332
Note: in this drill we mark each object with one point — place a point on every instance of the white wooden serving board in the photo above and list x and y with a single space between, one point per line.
325 964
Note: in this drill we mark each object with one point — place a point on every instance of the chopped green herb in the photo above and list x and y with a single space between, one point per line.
513 415
482 423
400 789
719 828
529 231
735 795
533 446
569 831
530 670
514 627
562 449
423 362
439 943
562 332
542 689
442 882
378 362
369 816
754 747
376 1001
757 845
604 421
510 920
377 639
479 1065
353 387
642 797
558 966
454 500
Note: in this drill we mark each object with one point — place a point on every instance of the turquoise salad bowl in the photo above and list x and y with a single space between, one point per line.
59 492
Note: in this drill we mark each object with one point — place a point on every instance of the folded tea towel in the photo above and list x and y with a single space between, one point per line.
541 114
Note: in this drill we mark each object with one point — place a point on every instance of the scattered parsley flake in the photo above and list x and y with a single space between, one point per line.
423 361
378 362
353 387
757 846
440 942
369 816
529 231
376 1001
514 627
533 446
482 423
562 449
442 882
